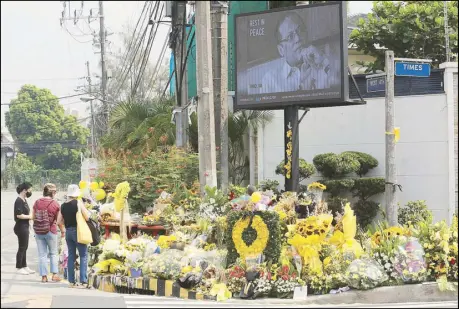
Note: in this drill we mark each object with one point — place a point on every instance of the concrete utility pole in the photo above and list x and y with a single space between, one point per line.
219 16
104 70
206 120
391 172
181 84
93 123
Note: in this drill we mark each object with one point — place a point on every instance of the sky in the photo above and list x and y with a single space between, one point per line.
35 49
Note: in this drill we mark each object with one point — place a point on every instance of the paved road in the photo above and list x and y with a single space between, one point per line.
19 291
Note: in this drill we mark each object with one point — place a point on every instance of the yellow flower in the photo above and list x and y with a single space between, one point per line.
327 261
260 243
316 185
289 133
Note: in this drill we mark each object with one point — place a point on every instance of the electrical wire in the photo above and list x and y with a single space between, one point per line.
149 47
43 101
133 39
134 56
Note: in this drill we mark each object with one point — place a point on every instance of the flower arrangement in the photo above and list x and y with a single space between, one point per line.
453 251
236 278
259 243
288 152
287 280
364 274
267 236
435 241
316 186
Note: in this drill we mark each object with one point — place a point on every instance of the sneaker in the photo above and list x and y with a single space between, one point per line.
23 271
73 285
31 271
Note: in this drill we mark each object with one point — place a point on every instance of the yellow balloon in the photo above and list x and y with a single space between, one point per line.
83 184
101 184
99 194
256 197
94 186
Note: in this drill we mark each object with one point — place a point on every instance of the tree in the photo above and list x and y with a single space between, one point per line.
41 129
22 169
134 124
412 29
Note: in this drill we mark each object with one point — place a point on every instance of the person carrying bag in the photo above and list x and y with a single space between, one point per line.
78 235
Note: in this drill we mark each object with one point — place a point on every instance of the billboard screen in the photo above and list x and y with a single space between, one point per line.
294 56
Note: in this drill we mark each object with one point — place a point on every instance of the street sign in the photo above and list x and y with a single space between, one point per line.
376 84
412 69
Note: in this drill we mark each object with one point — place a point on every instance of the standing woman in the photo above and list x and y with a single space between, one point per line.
45 212
67 216
21 228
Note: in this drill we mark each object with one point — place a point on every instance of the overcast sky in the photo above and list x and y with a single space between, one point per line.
35 49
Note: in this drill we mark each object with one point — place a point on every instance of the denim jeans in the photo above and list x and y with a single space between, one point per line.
72 245
47 243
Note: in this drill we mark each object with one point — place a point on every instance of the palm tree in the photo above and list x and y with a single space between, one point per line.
239 126
133 124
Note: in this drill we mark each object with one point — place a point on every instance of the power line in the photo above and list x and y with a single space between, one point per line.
135 54
128 67
133 38
146 55
43 101
39 79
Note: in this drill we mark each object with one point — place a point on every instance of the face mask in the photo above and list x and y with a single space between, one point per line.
28 194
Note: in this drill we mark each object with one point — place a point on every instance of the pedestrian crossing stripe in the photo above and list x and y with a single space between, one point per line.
152 286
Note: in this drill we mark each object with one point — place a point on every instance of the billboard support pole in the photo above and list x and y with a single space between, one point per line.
391 175
292 143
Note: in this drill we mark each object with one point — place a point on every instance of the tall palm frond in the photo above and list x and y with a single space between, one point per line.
130 124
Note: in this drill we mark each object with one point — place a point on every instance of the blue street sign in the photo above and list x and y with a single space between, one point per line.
412 69
376 84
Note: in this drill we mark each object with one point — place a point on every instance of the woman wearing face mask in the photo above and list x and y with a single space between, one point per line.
21 228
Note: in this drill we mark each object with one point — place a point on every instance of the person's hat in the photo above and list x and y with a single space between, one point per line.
73 191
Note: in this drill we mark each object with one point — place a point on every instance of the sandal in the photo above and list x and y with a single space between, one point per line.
44 279
56 278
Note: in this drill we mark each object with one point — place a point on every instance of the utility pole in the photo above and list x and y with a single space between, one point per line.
93 123
102 60
391 172
206 120
179 46
219 16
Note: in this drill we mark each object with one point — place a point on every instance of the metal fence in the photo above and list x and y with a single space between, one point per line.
39 178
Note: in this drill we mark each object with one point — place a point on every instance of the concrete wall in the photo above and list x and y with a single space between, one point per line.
455 137
422 152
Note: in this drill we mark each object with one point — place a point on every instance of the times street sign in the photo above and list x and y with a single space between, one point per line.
412 69
376 84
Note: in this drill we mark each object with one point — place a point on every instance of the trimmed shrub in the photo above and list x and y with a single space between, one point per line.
334 166
414 212
367 162
365 211
338 186
336 205
364 188
306 169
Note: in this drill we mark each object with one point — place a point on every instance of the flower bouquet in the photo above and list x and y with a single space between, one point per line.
236 279
409 262
287 280
365 274
316 189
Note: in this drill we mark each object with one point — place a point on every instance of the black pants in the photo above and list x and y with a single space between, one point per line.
22 232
